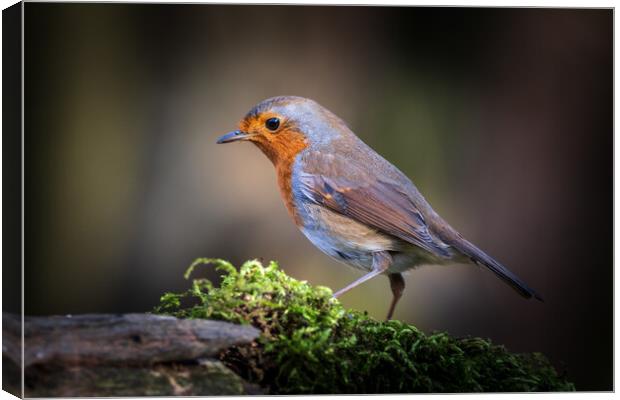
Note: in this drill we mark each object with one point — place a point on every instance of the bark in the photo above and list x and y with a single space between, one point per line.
121 355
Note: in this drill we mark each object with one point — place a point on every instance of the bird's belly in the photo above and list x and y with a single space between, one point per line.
353 243
343 238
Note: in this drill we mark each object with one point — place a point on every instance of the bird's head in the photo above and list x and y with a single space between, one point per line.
283 126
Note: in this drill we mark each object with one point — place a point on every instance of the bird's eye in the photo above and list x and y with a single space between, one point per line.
272 124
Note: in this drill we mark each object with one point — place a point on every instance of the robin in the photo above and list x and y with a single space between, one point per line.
350 202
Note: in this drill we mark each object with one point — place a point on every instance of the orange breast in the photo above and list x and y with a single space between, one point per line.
284 173
282 149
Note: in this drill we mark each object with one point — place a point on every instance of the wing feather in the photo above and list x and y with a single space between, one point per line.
379 204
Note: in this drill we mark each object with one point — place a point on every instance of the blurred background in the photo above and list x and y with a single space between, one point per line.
502 117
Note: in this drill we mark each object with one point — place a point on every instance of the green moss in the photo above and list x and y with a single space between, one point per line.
311 344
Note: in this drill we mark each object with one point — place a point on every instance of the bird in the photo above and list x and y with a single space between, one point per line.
350 202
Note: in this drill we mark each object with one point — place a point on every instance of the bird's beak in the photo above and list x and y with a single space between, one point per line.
233 137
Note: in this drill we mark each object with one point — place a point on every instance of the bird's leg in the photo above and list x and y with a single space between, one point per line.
381 261
397 283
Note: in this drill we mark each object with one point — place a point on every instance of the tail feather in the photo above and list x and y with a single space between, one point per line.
480 257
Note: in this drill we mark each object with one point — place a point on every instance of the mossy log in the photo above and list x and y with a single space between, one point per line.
260 331
121 355
310 343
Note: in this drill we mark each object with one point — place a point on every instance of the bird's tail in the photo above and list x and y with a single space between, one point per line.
480 257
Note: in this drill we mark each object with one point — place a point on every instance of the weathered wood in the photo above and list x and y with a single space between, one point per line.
123 355
207 378
121 339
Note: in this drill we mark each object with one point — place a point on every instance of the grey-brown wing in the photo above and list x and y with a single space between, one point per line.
379 204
